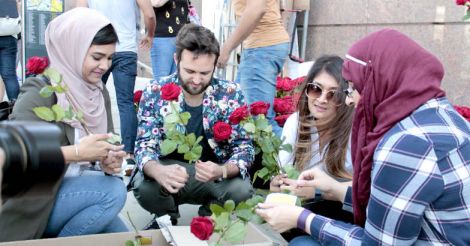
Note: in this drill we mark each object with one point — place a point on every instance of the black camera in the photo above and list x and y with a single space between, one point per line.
32 155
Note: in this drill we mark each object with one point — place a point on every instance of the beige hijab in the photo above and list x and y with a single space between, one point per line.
68 38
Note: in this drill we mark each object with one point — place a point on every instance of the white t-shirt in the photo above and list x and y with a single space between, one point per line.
289 132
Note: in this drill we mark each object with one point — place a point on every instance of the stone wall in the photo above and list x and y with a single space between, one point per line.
436 24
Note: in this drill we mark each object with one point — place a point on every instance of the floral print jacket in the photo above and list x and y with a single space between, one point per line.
221 98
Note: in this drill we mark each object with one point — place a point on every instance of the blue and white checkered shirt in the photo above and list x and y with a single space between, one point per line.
420 190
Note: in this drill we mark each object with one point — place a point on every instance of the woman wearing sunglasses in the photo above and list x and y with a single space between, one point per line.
319 134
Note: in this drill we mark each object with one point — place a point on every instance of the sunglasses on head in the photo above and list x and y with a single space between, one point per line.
315 91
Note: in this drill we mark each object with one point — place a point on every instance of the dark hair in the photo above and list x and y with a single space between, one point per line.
106 35
337 129
197 39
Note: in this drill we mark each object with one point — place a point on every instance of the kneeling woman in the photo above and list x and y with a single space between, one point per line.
80 44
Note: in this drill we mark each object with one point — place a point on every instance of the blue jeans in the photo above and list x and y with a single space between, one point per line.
87 205
8 49
304 241
124 69
257 74
161 56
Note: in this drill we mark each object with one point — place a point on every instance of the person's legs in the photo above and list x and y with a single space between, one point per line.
257 74
8 49
124 74
87 205
161 55
236 189
304 241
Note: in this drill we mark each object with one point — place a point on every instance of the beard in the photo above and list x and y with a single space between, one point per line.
194 91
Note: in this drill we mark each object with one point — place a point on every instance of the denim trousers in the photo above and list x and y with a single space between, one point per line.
8 49
304 241
124 69
87 205
257 74
161 55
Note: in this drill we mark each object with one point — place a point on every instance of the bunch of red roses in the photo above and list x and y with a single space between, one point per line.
286 98
137 97
254 121
464 111
467 4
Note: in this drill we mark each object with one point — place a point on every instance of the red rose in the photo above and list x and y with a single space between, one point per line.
137 96
222 131
281 119
259 107
279 83
460 2
464 111
36 65
170 92
202 227
284 105
238 115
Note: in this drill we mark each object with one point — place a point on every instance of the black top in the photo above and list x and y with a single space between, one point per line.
170 18
195 126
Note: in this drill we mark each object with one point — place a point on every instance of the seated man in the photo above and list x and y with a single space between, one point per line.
164 182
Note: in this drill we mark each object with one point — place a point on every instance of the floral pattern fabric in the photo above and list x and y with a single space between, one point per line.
221 98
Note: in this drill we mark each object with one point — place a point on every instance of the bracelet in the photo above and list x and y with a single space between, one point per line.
302 219
224 172
76 150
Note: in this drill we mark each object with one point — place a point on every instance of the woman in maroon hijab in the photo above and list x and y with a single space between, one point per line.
410 149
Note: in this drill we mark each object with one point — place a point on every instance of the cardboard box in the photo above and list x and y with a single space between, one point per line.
181 235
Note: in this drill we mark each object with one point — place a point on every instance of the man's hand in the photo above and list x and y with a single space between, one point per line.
207 171
172 177
223 57
113 162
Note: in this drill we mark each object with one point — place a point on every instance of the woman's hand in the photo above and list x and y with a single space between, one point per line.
276 182
330 188
113 162
280 217
304 192
94 147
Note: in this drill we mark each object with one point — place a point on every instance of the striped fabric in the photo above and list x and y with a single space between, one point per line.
420 185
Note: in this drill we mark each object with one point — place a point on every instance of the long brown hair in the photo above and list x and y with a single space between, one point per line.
337 130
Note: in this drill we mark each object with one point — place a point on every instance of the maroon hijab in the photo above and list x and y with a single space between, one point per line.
394 76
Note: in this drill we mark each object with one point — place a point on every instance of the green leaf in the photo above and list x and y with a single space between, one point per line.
59 89
287 147
236 233
167 147
46 91
250 127
198 140
59 112
183 148
130 243
114 139
185 116
44 113
257 219
79 115
229 205
221 221
191 139
291 172
244 214
263 173
216 209
69 113
171 118
261 124
53 75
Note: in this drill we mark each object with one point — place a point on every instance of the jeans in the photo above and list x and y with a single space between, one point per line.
161 55
8 50
304 241
87 205
124 69
257 74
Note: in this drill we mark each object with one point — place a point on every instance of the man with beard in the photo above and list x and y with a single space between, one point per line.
164 182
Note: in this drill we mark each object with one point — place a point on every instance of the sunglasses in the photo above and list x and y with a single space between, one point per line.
314 91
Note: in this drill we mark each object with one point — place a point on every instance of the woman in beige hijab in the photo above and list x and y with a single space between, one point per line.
80 44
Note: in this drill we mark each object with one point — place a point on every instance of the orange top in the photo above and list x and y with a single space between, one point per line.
269 30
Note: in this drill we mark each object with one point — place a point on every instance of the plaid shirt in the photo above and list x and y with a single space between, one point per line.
420 190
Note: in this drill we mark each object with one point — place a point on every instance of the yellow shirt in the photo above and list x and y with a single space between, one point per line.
269 30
